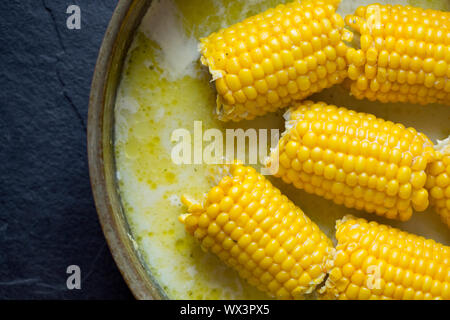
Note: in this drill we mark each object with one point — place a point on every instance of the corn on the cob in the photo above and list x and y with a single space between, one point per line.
438 181
268 60
354 159
374 261
260 233
404 55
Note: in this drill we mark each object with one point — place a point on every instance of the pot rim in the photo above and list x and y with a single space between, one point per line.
105 81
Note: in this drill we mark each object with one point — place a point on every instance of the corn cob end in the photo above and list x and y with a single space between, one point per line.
438 180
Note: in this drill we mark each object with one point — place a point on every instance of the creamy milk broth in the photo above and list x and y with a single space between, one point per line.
164 88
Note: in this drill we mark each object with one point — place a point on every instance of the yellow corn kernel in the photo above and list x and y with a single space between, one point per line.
412 43
252 62
355 159
438 181
378 260
251 226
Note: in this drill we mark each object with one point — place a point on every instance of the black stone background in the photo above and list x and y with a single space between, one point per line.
47 216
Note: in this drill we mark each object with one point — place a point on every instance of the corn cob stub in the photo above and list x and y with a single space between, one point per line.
374 261
355 159
271 59
260 233
438 181
404 55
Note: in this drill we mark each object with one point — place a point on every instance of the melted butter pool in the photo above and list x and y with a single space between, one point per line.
164 88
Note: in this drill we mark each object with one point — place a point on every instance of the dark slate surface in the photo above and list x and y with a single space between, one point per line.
47 215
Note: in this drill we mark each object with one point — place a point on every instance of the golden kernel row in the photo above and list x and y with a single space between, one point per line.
406 14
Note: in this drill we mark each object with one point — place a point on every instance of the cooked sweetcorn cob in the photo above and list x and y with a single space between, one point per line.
404 55
374 261
354 159
271 59
438 181
260 233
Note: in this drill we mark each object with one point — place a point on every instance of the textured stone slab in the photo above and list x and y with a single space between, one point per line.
47 218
